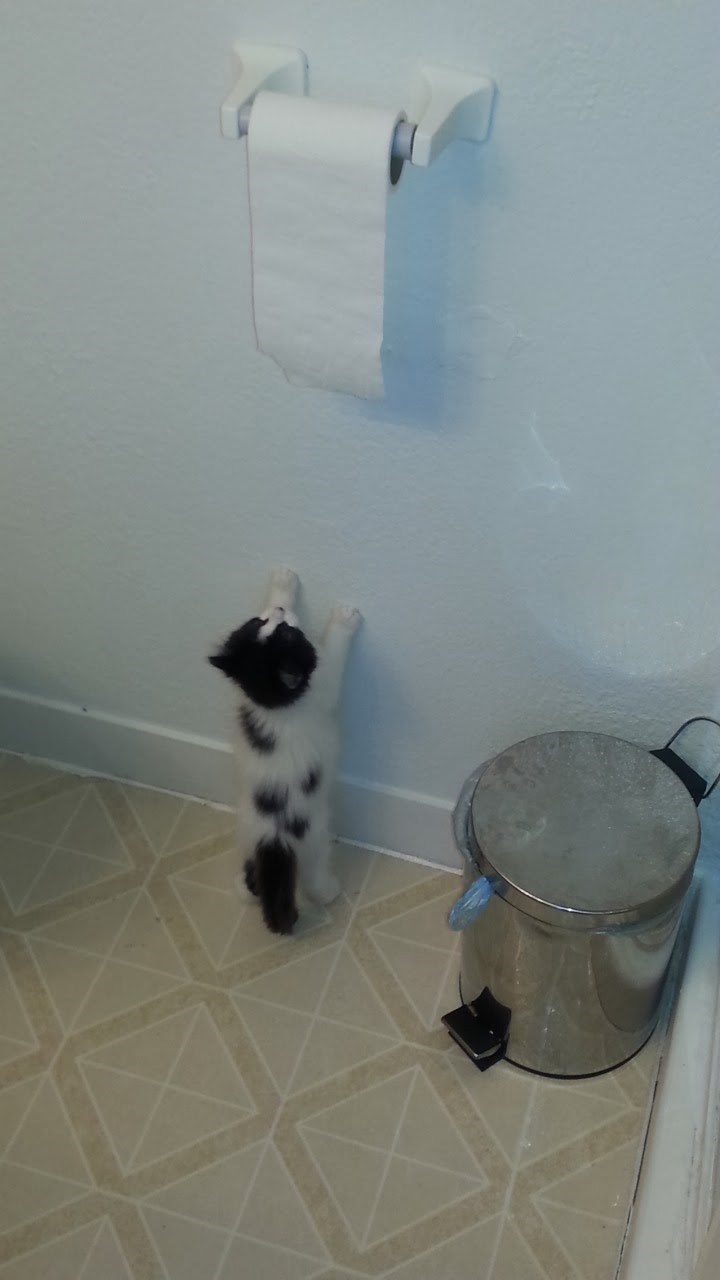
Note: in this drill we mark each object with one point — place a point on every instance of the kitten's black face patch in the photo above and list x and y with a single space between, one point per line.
273 671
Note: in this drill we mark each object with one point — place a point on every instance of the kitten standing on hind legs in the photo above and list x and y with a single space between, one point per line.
287 748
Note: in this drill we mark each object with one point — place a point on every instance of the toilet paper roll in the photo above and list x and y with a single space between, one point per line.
318 177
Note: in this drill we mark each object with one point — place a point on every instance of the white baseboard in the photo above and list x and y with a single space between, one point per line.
386 818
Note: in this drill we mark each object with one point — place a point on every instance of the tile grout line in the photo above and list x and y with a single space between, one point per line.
453 959
503 1215
135 1075
284 1095
572 1208
71 1128
26 1112
54 847
388 1162
154 1109
33 1044
103 964
173 828
551 1231
129 860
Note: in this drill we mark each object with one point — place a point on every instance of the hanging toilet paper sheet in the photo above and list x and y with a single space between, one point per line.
318 177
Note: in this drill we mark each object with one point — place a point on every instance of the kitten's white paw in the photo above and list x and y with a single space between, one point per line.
346 617
324 890
284 585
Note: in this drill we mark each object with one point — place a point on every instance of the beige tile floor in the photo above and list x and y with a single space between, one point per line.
185 1097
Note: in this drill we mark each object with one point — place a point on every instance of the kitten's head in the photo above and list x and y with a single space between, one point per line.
269 658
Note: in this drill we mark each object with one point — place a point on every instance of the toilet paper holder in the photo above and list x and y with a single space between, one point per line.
445 105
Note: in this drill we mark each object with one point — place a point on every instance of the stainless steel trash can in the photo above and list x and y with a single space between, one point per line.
580 849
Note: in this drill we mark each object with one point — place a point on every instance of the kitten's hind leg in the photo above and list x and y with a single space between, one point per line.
282 589
318 882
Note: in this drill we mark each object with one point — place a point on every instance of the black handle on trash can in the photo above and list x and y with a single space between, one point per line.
695 783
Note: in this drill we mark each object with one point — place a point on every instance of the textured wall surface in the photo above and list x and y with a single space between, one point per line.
529 522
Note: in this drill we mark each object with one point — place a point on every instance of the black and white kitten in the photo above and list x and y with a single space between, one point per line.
286 748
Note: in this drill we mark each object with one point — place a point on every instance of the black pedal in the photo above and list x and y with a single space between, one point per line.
481 1029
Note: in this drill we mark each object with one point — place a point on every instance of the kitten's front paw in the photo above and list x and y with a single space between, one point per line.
324 890
346 617
284 582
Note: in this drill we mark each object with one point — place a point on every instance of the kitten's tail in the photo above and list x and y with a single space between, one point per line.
274 873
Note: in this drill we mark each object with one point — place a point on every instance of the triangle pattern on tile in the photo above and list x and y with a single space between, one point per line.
180 1119
352 1174
602 1187
12 1049
591 1243
187 1250
252 935
91 831
351 999
392 875
331 1049
420 970
297 986
206 1067
144 940
14 1022
411 1191
150 1052
61 1259
14 1102
124 1104
501 1100
218 872
214 915
514 1256
156 811
426 924
66 872
275 1213
188 1086
67 974
43 822
120 987
248 1257
92 929
371 1116
20 865
559 1117
429 1135
463 1257
278 1035
27 1194
199 822
215 1194
45 1140
106 1258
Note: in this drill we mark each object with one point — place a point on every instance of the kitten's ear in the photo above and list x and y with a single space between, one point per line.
221 660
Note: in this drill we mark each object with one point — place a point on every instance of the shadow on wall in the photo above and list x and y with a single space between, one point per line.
438 332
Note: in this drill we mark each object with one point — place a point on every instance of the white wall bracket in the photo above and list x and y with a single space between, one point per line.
448 106
260 66
444 106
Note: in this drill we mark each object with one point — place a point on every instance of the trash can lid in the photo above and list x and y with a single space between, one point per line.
585 830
